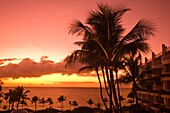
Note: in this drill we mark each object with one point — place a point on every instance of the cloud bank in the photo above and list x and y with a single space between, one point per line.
29 68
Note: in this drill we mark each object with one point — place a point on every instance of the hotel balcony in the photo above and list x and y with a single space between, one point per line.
165 73
156 65
165 59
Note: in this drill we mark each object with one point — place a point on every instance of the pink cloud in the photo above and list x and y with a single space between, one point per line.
6 59
29 68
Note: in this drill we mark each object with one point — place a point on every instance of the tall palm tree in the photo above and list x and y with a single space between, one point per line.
35 100
90 102
12 98
20 94
133 68
103 37
42 101
61 99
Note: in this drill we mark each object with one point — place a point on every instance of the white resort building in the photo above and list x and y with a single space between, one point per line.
154 87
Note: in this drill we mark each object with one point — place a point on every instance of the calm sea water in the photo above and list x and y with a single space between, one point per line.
81 95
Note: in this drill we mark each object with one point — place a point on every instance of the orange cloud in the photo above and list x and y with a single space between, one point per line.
29 68
6 59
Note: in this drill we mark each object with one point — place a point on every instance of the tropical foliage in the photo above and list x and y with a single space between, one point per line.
61 99
104 44
90 102
42 101
34 100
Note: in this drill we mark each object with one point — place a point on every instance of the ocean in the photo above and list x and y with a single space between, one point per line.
81 95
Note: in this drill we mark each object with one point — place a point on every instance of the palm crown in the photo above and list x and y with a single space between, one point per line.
104 42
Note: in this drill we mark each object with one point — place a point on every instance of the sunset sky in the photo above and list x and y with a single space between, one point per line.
34 37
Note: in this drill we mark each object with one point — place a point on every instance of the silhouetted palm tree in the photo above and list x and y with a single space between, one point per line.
23 103
70 103
12 98
103 38
42 101
50 102
99 105
90 102
61 99
20 94
75 104
35 100
133 67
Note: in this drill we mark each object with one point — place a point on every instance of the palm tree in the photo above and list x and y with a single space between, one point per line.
133 68
20 94
104 44
42 101
74 103
61 99
12 98
99 105
34 100
23 103
70 103
90 102
50 102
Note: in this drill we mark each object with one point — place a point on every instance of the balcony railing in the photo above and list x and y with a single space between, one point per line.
162 92
165 59
156 64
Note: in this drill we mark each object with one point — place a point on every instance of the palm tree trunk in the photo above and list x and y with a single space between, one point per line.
114 90
110 88
135 93
105 82
18 104
35 106
118 89
101 92
62 105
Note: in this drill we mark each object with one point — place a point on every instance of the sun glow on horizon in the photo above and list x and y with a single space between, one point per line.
52 80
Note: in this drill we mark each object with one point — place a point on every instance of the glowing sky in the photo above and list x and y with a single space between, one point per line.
35 28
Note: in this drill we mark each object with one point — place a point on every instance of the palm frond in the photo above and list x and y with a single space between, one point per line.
71 59
144 29
86 68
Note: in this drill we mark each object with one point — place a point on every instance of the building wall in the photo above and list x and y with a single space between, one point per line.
155 86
